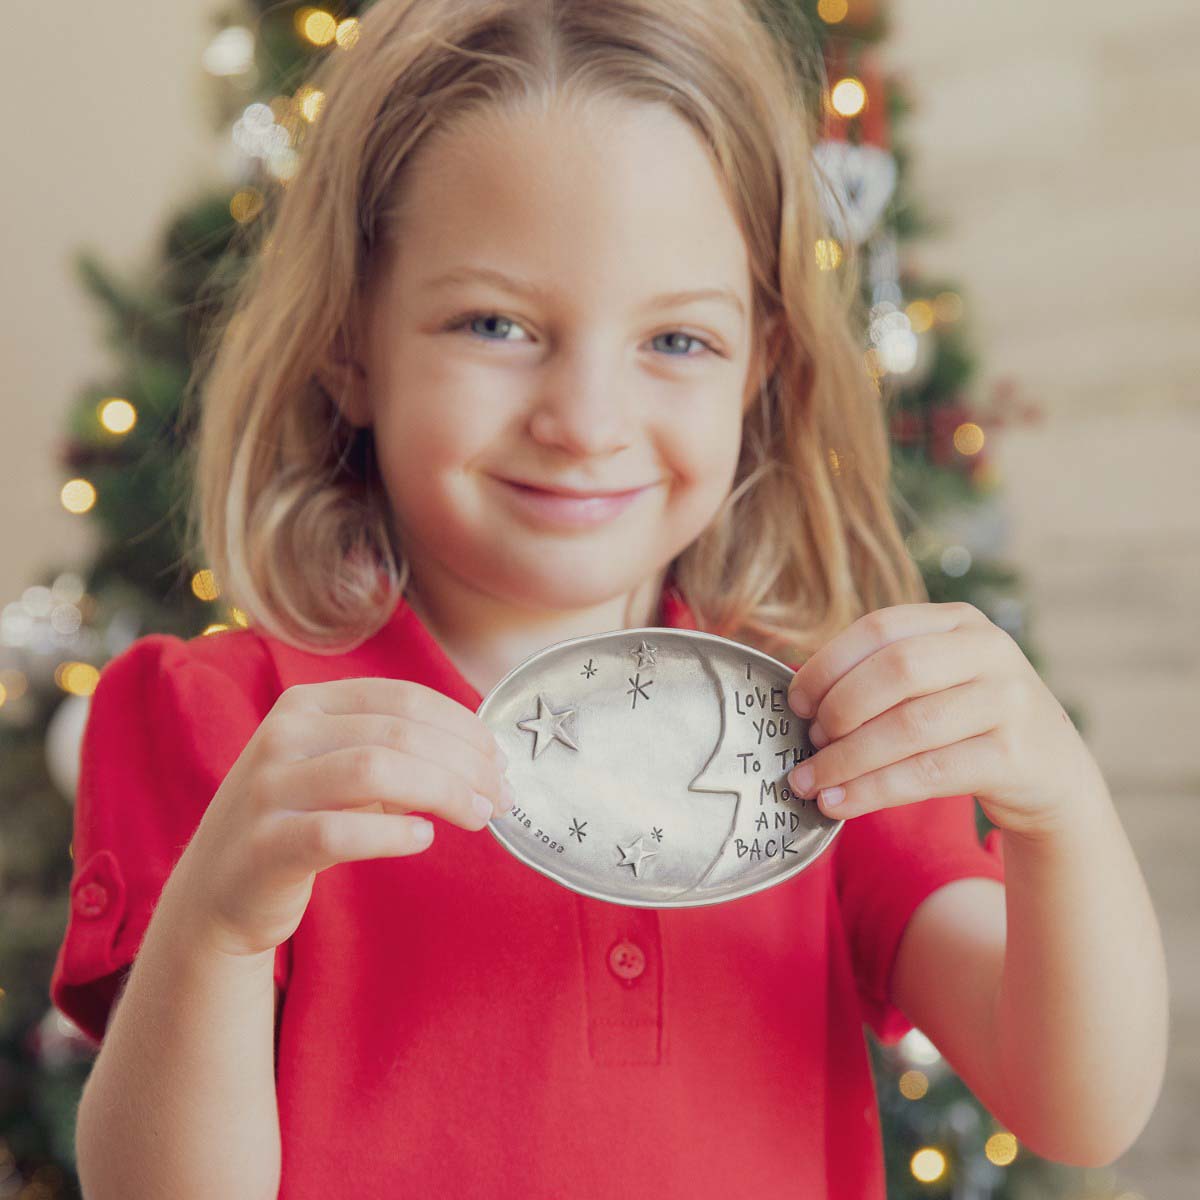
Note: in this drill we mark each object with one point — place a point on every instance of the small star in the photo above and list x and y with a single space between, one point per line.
588 669
637 689
645 655
547 726
577 830
634 854
656 834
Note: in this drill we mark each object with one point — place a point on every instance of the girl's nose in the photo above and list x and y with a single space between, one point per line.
583 412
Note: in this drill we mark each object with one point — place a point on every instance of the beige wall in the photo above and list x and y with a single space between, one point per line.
1059 143
104 113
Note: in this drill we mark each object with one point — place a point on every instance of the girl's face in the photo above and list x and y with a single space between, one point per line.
585 379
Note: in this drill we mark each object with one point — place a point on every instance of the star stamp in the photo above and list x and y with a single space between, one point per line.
547 726
645 655
634 854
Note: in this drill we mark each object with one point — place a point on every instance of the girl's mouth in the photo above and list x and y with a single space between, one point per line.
567 512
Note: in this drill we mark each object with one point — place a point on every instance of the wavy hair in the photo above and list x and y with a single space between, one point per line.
287 505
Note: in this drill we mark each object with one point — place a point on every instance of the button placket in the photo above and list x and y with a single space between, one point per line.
622 977
627 960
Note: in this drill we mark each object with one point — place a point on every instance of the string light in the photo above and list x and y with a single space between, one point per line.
917 1048
14 683
204 585
231 52
832 12
968 438
77 496
955 561
1001 1149
829 254
316 26
928 1164
245 204
920 315
347 33
257 134
848 97
77 678
892 333
117 416
309 102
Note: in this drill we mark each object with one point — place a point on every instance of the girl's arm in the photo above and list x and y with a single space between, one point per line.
1048 996
180 1101
1082 1008
1052 1006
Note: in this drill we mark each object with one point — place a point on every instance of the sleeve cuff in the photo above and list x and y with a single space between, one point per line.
887 1021
86 972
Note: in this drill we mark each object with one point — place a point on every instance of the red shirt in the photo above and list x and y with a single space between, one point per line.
456 1024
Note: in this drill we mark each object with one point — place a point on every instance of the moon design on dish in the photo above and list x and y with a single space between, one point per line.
650 768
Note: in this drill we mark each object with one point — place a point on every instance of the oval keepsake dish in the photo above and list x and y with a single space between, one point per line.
650 768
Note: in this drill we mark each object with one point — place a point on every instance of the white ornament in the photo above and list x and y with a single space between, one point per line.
64 737
855 184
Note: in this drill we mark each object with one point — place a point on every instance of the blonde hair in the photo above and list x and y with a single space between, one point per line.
287 505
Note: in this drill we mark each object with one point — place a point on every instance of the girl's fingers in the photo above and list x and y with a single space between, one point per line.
865 637
909 669
356 776
317 839
310 734
393 698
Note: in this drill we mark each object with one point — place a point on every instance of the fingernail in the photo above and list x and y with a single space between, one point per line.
832 796
802 778
483 806
817 735
800 703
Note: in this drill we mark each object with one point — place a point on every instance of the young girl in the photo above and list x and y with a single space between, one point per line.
539 347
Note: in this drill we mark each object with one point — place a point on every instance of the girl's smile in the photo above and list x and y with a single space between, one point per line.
557 509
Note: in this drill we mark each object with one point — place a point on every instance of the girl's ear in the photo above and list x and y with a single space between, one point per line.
344 379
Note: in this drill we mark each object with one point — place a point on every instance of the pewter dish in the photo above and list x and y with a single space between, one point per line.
650 768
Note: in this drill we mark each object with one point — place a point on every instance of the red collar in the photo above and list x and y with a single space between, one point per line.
404 648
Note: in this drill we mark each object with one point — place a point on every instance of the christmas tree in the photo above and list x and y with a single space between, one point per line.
122 462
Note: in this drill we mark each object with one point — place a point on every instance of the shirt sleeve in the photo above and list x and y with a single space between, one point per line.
164 726
886 863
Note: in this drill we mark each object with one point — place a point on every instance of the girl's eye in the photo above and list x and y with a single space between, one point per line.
708 349
469 319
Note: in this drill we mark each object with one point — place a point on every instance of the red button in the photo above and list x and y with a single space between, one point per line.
91 900
626 960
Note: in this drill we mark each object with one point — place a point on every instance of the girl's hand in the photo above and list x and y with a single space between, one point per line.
921 700
331 775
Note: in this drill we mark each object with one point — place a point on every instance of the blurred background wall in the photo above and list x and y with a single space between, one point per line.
1058 144
108 133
